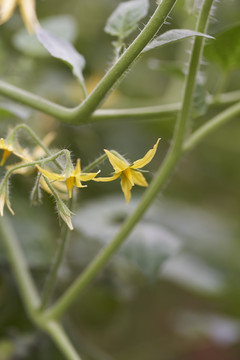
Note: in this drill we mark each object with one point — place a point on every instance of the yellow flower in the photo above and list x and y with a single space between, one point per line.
8 149
27 9
73 179
129 173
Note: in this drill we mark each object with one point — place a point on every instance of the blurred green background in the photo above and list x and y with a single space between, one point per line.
173 290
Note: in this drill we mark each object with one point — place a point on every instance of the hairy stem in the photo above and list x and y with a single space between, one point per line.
52 276
81 113
163 173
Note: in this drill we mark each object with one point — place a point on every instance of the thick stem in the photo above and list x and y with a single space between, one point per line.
82 112
157 112
163 173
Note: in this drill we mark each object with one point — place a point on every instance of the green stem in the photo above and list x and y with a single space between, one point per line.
210 126
124 62
148 112
95 163
165 170
52 276
87 107
28 292
58 335
16 258
36 138
184 114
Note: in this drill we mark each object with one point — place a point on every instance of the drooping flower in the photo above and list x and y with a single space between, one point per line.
27 10
8 149
73 178
129 173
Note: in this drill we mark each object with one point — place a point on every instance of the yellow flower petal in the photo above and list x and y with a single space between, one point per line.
106 179
50 175
128 174
89 176
139 179
77 169
70 184
146 159
28 12
117 164
126 187
6 154
6 9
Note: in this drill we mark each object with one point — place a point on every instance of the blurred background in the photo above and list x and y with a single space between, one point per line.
172 292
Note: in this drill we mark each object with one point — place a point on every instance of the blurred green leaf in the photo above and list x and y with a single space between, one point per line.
191 272
124 20
173 36
61 26
220 329
148 246
172 68
63 50
225 50
6 349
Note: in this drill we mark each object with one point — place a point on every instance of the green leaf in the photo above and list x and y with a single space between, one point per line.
148 246
64 27
173 36
191 272
63 50
225 50
124 20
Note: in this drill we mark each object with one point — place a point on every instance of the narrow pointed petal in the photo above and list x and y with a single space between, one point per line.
77 170
128 174
117 164
6 9
70 183
89 176
146 159
6 154
126 187
28 12
139 179
106 179
50 175
78 183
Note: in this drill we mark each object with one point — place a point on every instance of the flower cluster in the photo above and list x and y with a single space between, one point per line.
60 183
